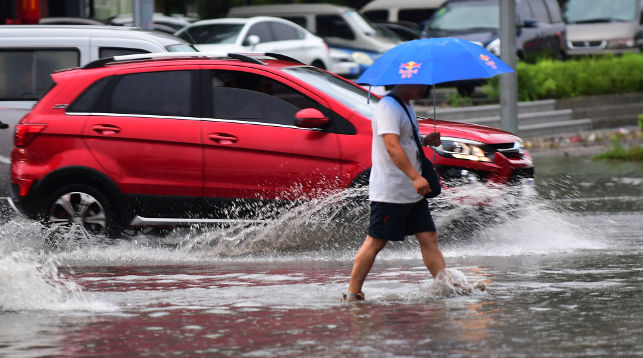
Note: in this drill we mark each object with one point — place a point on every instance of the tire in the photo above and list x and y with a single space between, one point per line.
319 64
78 211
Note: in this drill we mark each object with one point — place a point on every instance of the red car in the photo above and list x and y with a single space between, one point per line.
150 139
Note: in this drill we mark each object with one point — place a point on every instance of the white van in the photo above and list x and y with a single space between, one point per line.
414 11
343 28
601 27
29 53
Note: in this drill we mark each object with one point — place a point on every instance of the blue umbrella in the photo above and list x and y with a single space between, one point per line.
431 61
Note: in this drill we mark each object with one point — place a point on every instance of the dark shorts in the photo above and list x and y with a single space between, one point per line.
392 222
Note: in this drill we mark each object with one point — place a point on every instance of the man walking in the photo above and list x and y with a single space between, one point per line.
396 189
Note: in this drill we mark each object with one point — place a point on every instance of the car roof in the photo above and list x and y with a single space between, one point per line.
239 20
286 9
269 59
402 4
91 31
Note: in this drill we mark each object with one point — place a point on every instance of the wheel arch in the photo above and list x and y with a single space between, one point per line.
88 176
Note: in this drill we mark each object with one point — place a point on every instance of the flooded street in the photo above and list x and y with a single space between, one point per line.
562 269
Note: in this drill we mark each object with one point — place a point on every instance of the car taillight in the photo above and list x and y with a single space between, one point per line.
25 133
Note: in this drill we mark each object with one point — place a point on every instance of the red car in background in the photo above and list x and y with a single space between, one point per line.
167 139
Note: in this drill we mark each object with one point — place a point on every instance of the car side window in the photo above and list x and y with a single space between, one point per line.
86 102
299 20
554 10
283 32
261 29
376 15
250 97
118 51
525 11
25 74
334 26
540 11
415 15
163 93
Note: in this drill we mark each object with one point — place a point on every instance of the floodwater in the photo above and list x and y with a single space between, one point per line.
561 265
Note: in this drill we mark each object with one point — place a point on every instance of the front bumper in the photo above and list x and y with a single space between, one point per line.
504 169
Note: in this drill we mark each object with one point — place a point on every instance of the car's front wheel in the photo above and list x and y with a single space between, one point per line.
78 211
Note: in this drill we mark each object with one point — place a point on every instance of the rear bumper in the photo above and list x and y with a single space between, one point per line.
21 204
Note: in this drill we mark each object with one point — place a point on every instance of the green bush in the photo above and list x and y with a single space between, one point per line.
576 77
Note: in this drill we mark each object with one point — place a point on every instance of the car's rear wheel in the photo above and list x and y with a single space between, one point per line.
78 211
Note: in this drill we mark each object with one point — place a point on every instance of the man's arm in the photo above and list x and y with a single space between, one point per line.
399 158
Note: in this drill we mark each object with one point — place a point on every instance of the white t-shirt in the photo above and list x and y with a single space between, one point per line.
387 182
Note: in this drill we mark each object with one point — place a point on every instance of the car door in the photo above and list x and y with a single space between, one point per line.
252 148
144 132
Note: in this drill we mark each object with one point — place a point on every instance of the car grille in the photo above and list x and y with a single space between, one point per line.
587 44
509 150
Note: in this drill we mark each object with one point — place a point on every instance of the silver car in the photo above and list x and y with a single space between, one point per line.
598 27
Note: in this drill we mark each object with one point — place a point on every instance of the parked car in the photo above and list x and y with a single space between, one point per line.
343 28
160 22
258 34
413 11
29 53
540 33
540 28
600 27
145 140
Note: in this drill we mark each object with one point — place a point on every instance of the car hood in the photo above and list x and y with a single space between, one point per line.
475 132
600 31
483 37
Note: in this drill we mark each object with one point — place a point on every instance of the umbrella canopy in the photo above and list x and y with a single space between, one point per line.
432 61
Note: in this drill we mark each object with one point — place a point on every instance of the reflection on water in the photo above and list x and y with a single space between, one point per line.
561 266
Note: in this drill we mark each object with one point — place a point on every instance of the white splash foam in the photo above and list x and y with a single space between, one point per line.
27 284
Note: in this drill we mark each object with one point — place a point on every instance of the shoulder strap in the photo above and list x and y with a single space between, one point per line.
415 133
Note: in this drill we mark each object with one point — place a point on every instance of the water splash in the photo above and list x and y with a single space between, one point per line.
29 282
476 219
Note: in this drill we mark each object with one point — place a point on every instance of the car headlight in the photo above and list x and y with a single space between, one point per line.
362 58
621 43
463 149
494 47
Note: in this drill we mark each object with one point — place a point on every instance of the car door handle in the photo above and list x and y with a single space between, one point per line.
222 138
106 129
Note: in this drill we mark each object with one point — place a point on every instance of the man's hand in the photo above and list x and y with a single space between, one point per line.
432 139
421 185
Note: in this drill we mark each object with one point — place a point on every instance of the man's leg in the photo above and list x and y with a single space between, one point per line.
363 262
431 254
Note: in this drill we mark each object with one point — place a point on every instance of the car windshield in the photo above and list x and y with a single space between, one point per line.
592 11
214 33
466 16
345 92
181 48
370 29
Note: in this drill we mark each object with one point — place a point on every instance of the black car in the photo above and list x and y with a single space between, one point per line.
540 27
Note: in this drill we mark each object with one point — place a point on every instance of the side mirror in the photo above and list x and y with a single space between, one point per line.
252 41
310 118
3 125
530 23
